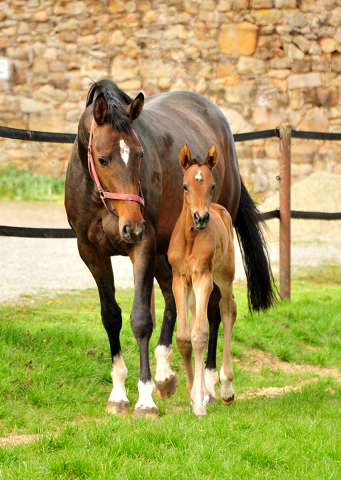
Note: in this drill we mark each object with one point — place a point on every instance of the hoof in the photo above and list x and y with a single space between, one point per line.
211 399
200 412
167 388
146 412
118 408
228 401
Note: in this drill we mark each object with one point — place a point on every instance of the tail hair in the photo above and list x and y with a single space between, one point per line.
261 289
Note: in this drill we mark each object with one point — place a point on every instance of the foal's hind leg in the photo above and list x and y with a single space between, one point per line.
214 319
165 379
101 269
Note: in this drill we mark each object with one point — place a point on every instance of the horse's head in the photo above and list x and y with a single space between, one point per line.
116 153
198 184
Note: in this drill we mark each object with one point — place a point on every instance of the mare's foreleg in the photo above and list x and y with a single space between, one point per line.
101 269
142 256
214 319
202 286
183 332
228 310
165 379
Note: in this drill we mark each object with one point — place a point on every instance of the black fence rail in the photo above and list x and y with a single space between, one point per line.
37 136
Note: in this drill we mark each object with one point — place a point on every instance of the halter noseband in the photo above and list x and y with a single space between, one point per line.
108 195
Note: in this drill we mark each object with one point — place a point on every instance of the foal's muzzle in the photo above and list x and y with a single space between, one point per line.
133 234
200 222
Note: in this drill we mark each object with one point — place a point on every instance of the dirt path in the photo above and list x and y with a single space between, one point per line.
28 264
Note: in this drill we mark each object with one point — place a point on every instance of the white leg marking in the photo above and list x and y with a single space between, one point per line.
118 373
211 379
163 356
226 386
124 151
145 395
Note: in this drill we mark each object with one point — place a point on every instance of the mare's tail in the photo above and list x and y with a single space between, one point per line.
261 289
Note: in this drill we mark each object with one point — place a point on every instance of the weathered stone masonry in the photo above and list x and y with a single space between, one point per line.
262 61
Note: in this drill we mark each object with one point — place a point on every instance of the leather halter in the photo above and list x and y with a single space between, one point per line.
108 195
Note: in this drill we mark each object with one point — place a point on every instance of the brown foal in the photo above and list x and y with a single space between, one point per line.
201 253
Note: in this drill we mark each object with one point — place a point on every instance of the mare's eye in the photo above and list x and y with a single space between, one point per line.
102 161
141 155
185 188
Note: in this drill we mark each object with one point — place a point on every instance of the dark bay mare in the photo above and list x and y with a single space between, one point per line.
123 197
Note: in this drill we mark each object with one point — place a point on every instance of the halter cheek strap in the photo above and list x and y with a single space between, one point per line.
108 195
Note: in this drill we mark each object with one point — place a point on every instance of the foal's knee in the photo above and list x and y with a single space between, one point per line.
200 339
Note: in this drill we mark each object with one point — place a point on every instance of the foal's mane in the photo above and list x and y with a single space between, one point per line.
117 101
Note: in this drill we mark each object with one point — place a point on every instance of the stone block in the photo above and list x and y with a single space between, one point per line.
49 94
324 97
41 16
336 62
337 36
65 7
150 17
295 53
224 69
265 118
240 94
238 39
69 25
267 17
286 4
298 20
40 65
51 121
251 66
117 38
315 121
302 43
328 45
303 152
279 73
280 63
116 6
225 6
307 80
262 4
301 66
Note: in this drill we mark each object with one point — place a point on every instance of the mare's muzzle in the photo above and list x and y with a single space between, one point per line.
200 222
133 234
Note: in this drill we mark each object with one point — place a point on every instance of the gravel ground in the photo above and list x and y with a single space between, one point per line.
28 265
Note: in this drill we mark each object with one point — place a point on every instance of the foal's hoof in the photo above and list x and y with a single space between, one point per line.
166 388
145 412
228 401
118 408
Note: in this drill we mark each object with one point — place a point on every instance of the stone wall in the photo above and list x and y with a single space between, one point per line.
262 61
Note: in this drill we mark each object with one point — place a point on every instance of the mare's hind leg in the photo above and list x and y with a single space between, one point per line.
101 269
165 379
213 314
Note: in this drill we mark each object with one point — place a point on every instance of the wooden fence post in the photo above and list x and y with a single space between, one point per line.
285 210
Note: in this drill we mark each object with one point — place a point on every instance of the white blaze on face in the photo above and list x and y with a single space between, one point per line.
198 176
124 151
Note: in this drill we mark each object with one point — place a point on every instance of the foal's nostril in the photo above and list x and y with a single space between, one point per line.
206 217
196 217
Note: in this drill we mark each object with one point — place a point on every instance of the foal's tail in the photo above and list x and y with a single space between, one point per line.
261 289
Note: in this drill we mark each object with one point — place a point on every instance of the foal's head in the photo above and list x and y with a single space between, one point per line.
117 153
198 184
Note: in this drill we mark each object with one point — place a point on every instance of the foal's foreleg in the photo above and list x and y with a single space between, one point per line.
101 269
202 286
183 333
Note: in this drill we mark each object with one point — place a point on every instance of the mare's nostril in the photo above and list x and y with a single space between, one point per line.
126 231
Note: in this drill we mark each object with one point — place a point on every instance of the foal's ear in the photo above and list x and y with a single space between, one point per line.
212 158
100 109
135 107
185 157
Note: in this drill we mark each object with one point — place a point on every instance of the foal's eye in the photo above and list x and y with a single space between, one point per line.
102 161
213 187
185 188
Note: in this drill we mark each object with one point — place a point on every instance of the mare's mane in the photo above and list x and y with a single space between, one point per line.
117 101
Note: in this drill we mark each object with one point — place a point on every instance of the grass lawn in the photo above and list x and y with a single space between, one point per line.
55 381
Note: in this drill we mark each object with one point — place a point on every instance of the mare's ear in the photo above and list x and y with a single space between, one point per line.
100 109
211 158
135 107
185 157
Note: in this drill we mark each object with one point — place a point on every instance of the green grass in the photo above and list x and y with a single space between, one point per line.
55 382
22 185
